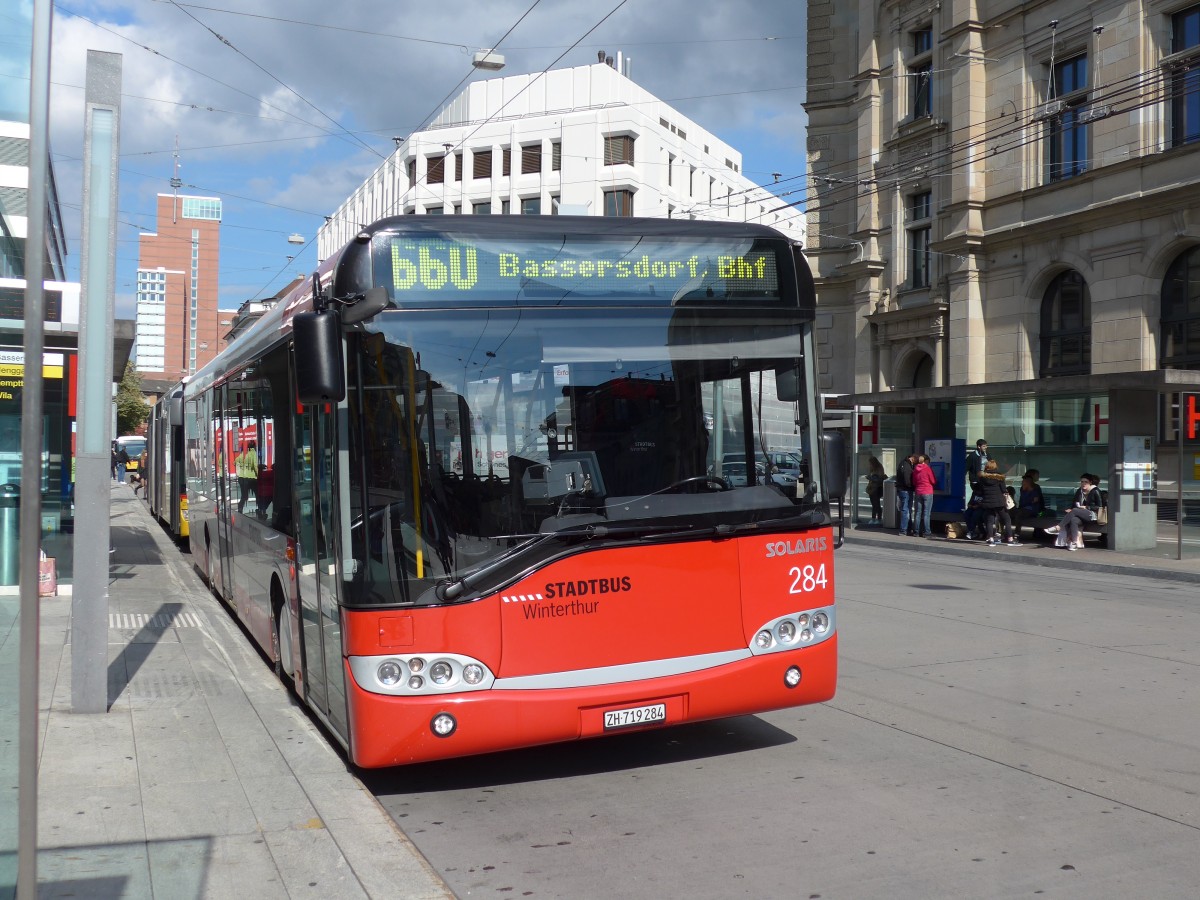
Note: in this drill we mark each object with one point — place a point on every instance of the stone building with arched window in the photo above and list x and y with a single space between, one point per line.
1004 219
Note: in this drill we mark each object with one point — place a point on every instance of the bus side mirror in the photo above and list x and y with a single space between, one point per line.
320 372
833 447
787 384
175 409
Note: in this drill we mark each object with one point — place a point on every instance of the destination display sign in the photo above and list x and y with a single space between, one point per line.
423 268
12 303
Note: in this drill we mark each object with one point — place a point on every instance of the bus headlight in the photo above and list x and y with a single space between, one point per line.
796 630
389 672
440 672
422 674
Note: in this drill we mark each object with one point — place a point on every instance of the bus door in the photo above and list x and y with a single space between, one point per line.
222 548
316 553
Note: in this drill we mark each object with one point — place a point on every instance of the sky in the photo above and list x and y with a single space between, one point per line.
283 107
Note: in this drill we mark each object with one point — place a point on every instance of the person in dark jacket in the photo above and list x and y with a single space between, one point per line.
122 463
1084 505
904 492
992 489
1030 502
977 463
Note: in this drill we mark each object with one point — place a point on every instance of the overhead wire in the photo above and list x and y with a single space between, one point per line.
228 43
520 92
257 100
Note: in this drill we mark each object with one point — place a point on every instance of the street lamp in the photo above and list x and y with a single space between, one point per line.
488 60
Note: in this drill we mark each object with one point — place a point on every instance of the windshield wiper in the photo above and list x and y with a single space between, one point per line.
450 591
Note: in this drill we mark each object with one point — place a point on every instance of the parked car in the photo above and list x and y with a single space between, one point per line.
734 472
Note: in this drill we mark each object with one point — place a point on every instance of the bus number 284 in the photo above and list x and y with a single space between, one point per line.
807 579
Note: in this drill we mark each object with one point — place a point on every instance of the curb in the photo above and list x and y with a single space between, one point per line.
1037 555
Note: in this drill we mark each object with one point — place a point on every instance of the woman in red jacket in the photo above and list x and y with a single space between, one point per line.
924 481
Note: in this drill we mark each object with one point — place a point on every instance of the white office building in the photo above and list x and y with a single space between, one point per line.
581 141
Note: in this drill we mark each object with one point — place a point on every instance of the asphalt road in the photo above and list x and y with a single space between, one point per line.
998 732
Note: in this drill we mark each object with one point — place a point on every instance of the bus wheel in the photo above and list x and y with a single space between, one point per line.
210 563
285 666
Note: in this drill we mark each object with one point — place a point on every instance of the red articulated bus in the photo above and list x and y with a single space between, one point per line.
492 513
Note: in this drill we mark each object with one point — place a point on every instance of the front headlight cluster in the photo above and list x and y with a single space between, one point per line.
420 674
793 630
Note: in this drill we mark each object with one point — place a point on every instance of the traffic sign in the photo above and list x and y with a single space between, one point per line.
1190 412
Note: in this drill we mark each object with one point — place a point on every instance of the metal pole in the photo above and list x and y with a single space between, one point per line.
30 514
89 600
1179 482
187 314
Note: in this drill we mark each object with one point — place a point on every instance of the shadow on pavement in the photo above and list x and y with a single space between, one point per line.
122 669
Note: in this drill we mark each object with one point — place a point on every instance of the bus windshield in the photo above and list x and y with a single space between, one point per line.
484 440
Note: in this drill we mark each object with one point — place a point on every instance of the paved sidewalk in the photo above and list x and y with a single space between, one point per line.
1035 552
204 778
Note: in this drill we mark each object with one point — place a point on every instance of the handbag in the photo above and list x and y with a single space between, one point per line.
1009 502
1102 516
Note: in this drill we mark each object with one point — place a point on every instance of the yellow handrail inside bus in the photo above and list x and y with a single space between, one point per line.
416 462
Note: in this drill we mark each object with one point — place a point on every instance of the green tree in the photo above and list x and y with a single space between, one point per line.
131 405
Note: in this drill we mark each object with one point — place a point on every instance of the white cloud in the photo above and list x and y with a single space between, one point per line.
246 137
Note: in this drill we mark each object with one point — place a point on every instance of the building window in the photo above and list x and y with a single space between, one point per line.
618 203
1066 327
670 169
531 159
411 169
618 150
435 170
1184 76
505 207
201 208
458 166
556 156
506 161
920 74
482 209
919 223
434 211
555 202
1066 132
531 206
481 164
1180 312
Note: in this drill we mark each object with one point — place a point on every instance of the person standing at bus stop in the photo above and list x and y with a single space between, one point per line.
122 462
977 463
904 492
245 466
924 482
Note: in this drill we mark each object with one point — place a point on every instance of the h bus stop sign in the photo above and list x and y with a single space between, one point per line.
1190 416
